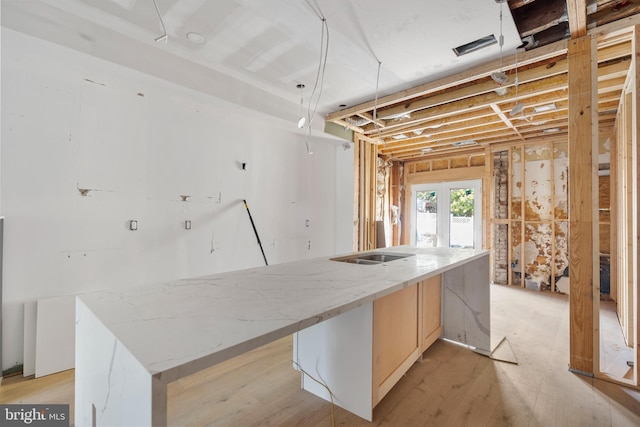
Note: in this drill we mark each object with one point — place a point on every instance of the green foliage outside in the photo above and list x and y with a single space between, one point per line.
461 202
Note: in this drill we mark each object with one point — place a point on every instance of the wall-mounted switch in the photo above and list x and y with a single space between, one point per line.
133 225
187 224
306 223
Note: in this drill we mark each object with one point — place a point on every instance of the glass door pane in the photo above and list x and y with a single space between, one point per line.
426 202
461 217
447 214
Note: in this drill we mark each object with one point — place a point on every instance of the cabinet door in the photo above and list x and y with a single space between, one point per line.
396 345
431 294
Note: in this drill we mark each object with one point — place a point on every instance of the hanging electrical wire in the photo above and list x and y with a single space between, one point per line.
163 37
322 65
500 77
375 102
519 107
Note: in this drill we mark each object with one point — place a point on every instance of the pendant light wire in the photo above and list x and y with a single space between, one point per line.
164 36
375 102
322 65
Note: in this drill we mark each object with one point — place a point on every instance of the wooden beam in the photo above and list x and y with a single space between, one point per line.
480 101
489 86
538 88
581 114
624 25
609 15
577 12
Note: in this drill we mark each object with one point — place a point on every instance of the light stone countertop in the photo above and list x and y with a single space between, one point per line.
177 328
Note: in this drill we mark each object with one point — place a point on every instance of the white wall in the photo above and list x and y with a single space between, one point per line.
71 121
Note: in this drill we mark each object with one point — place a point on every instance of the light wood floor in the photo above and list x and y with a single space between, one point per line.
452 387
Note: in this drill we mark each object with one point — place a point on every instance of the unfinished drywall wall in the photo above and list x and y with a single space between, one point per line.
88 146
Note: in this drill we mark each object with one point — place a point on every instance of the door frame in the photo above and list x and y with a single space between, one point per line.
444 187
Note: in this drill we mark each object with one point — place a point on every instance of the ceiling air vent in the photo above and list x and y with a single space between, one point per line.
475 45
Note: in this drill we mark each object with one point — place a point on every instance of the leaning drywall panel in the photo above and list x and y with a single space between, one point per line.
55 335
30 325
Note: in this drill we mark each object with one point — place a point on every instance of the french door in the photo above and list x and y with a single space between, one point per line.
447 214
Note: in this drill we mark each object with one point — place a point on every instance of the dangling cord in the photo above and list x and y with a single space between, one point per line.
375 102
517 82
501 36
322 65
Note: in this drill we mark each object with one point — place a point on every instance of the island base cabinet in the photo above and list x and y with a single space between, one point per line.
361 354
395 338
431 311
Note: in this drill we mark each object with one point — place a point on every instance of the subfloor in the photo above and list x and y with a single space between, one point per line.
452 387
614 353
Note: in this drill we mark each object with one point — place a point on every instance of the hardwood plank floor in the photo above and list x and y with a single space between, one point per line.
452 386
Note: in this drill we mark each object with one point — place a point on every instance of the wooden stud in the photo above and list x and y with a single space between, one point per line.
509 207
581 114
357 189
636 146
577 12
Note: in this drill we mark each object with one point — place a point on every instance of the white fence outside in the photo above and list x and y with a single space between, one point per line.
461 231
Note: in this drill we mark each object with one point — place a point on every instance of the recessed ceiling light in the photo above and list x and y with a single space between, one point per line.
195 38
551 130
463 143
543 108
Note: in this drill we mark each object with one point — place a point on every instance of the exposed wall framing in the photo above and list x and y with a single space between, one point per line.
365 179
625 207
529 214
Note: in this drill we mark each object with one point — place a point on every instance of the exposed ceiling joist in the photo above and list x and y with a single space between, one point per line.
433 119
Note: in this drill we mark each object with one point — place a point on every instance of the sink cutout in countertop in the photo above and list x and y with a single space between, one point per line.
372 258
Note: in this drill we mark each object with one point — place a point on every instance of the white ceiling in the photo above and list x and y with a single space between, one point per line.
272 45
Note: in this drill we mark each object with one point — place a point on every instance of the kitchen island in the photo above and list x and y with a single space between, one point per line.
131 344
